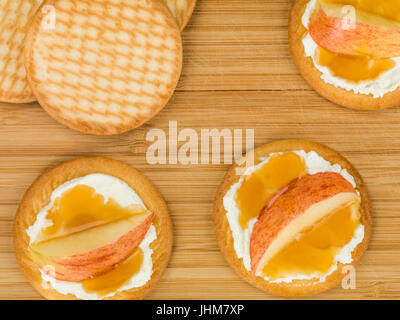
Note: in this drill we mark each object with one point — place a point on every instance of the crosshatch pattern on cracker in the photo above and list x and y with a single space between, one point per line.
106 66
15 18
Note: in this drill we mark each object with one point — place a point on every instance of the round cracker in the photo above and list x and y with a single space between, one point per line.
224 235
38 196
16 16
312 75
181 10
103 67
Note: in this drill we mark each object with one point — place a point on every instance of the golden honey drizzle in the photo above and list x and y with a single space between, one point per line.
81 208
116 278
314 250
261 185
389 9
359 68
353 68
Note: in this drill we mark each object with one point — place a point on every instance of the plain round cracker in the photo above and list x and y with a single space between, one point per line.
182 10
224 235
38 196
312 75
15 18
106 66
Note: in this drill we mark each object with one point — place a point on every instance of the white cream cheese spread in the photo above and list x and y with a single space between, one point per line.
241 238
108 187
387 82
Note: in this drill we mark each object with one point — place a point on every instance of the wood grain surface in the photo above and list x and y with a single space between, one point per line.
237 73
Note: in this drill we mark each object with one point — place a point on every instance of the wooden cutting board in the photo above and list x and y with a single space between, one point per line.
237 73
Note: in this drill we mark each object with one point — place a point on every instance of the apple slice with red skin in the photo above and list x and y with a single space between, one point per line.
91 252
333 29
299 205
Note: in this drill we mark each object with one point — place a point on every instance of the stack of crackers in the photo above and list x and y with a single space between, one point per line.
97 66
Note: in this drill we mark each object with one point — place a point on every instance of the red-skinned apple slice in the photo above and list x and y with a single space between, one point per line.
88 253
333 28
301 203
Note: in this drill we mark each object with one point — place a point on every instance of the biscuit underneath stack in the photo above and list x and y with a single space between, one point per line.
99 67
181 10
15 17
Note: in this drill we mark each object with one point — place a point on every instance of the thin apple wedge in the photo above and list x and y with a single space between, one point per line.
298 206
88 253
334 28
